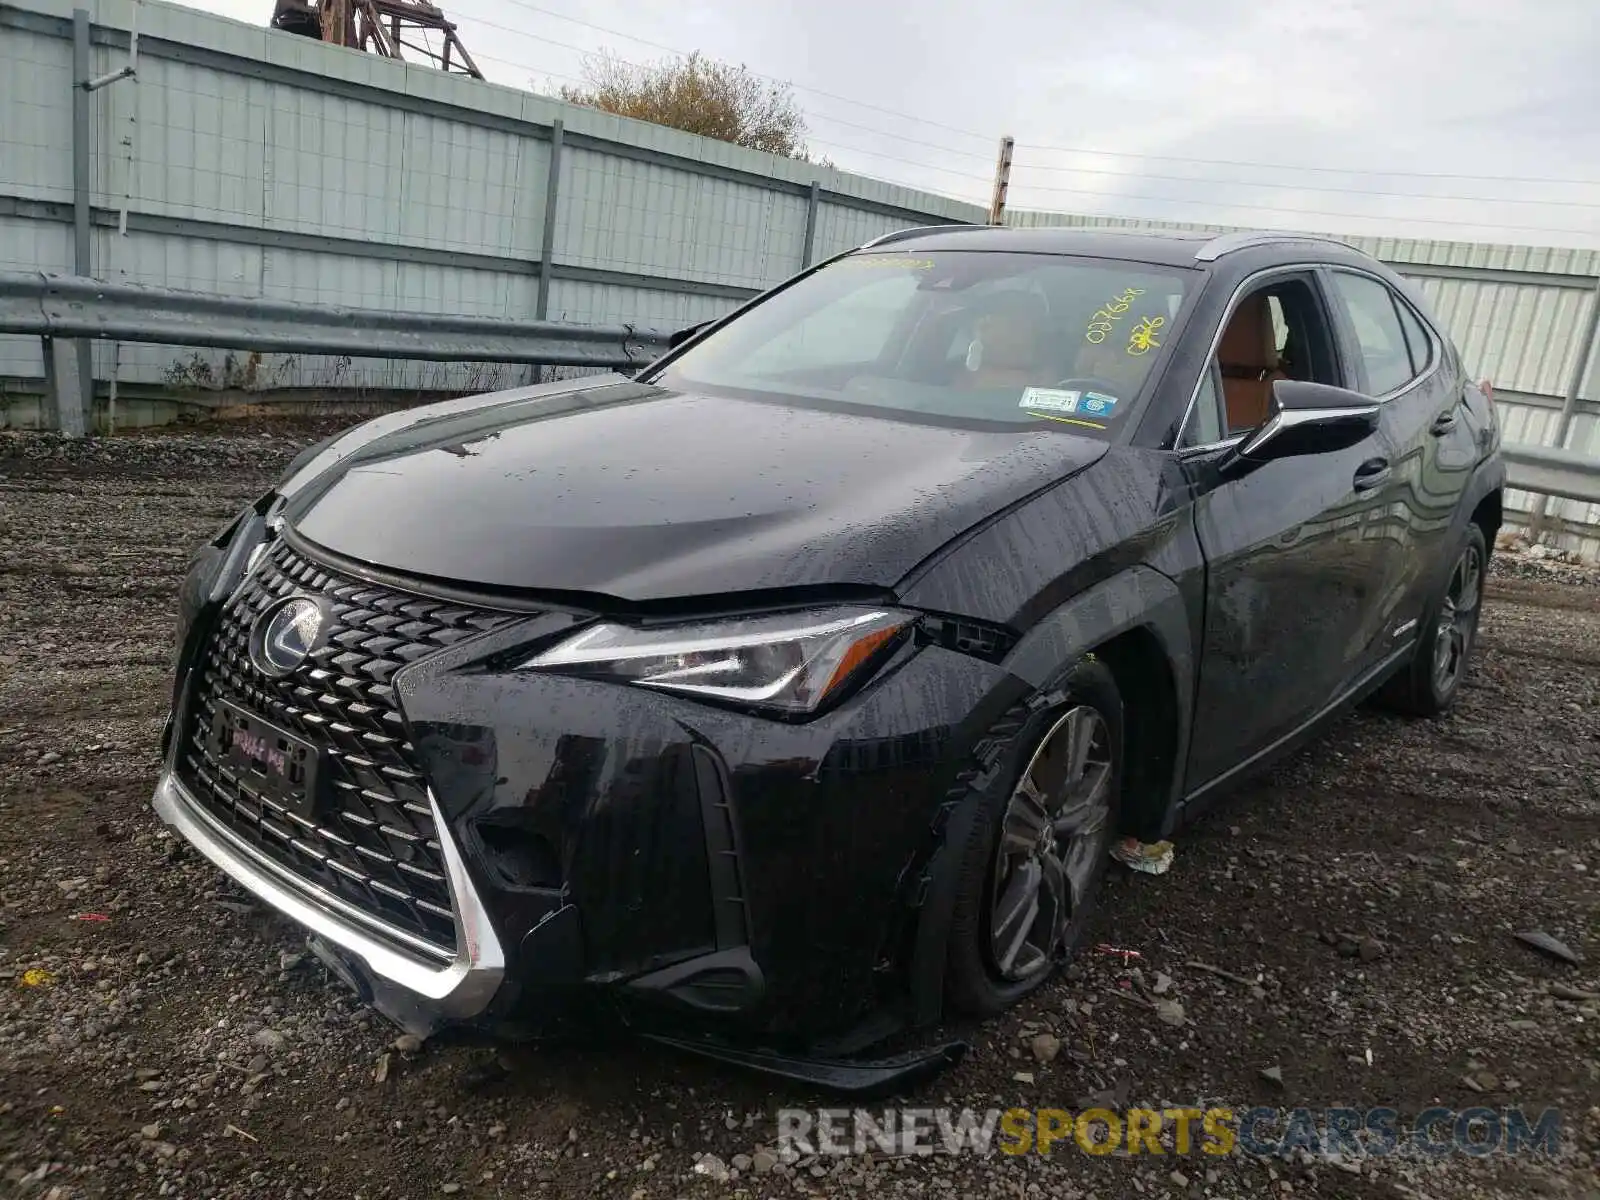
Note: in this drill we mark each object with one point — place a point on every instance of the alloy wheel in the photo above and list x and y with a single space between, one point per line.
1053 837
1458 618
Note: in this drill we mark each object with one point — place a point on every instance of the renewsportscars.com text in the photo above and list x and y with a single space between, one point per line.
1180 1132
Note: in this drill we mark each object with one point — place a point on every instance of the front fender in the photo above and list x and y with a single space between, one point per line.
1141 596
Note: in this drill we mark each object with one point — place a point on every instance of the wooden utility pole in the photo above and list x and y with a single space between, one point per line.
1002 181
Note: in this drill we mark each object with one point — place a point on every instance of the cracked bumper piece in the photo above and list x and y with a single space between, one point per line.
417 990
480 844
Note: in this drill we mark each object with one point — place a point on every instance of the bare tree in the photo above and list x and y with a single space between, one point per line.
698 95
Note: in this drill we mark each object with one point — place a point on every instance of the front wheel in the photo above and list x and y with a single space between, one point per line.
1427 686
1039 848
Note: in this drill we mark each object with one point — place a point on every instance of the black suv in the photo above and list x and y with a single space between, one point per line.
793 691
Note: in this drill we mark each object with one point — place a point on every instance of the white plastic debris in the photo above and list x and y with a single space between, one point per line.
1151 858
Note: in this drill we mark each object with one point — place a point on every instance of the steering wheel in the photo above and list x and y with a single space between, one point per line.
1087 384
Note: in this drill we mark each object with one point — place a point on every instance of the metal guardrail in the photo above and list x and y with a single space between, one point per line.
1550 472
70 306
62 308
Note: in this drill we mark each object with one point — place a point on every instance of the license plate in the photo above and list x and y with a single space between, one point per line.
272 762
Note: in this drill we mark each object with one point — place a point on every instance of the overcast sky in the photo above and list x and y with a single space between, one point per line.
1361 92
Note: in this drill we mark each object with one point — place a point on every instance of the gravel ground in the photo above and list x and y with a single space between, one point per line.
1362 900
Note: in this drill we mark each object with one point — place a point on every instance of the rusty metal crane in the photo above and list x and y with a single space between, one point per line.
391 28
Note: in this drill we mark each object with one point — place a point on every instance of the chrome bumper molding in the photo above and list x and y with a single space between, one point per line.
418 992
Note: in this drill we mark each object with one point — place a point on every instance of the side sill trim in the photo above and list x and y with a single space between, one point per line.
456 989
1362 686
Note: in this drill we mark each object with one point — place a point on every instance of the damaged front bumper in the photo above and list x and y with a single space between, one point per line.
415 987
713 877
424 996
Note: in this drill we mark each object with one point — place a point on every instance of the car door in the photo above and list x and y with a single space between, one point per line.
1291 578
1395 355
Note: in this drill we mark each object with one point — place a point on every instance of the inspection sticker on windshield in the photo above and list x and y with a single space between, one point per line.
1049 400
1097 404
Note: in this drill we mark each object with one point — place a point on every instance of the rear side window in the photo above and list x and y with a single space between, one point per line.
1382 342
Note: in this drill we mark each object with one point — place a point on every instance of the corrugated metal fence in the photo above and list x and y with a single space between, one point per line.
253 163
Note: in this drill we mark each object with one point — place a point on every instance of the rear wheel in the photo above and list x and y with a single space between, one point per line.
1429 684
1039 848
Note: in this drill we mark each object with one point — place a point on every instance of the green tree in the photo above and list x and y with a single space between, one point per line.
697 95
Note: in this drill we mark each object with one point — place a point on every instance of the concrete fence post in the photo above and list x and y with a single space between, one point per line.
808 251
72 408
547 243
63 381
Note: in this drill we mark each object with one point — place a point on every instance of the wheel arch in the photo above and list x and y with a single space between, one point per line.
1138 624
1150 761
1482 503
1488 515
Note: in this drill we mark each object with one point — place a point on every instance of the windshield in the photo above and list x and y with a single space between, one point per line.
972 336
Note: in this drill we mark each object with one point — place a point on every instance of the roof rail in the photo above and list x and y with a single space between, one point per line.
900 235
1227 243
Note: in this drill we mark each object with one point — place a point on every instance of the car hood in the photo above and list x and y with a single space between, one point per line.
640 493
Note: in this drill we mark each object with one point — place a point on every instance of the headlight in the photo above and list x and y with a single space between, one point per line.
792 662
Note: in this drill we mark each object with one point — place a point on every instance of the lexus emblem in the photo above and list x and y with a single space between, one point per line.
285 635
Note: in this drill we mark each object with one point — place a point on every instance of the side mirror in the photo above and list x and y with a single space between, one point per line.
683 335
1310 418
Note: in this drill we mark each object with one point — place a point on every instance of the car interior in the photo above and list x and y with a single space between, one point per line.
1006 346
1020 342
1276 332
1250 361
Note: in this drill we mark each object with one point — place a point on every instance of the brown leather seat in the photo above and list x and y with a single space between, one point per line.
1248 356
1012 336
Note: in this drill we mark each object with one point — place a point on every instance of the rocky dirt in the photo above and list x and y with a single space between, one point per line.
1339 933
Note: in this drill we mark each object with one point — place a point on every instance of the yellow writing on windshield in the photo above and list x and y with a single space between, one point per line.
1112 311
901 261
1143 335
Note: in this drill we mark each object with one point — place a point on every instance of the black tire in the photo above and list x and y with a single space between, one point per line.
992 875
1427 686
